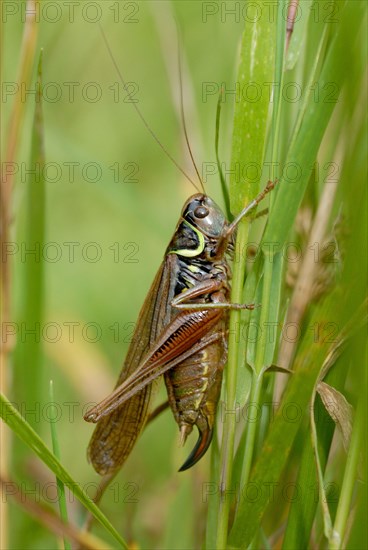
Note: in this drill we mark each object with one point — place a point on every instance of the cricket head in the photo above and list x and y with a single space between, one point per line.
205 215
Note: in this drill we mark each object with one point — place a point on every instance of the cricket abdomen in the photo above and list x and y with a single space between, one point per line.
194 389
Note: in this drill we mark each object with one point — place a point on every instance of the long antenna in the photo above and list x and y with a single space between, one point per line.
139 113
225 191
183 115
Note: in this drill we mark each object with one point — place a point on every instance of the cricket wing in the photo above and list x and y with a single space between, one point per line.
116 433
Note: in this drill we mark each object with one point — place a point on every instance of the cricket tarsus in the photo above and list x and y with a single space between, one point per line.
251 206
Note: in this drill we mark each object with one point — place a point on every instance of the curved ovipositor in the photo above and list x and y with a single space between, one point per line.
203 442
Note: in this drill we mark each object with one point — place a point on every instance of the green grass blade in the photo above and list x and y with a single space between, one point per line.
271 280
306 143
248 145
302 511
274 307
56 450
298 37
276 448
251 107
25 432
350 475
279 78
29 349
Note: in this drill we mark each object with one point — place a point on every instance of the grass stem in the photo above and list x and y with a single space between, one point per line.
227 447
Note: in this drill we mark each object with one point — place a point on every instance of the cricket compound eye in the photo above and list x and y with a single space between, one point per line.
201 212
